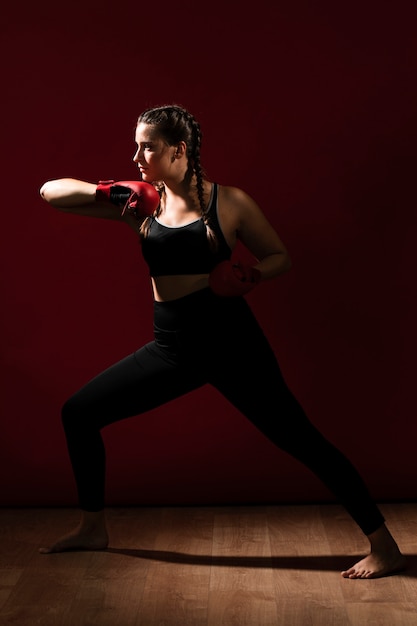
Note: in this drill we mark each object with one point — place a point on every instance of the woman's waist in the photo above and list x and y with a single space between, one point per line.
167 288
201 309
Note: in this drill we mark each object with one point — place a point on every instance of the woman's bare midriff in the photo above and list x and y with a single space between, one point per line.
172 287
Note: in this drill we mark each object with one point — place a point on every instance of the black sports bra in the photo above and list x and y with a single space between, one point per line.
170 250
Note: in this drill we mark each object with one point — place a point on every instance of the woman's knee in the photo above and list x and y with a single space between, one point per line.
73 413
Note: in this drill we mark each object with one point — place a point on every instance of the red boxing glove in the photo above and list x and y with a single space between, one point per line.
229 279
139 198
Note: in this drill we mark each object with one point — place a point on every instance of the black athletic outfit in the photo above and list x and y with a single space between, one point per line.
203 339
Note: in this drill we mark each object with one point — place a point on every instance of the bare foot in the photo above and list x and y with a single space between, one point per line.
376 566
91 534
78 540
385 557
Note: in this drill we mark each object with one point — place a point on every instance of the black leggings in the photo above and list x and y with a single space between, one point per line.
202 339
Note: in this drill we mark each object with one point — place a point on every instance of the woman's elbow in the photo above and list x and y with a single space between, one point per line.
284 262
54 192
48 191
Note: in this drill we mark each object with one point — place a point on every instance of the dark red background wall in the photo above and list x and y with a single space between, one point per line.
311 108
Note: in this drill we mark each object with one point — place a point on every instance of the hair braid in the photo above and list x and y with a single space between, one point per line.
200 175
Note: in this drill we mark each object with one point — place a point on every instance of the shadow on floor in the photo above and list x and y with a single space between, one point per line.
314 563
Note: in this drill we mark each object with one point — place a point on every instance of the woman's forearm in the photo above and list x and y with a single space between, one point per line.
77 196
68 192
274 264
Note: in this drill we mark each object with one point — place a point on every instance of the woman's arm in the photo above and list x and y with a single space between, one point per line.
257 234
78 196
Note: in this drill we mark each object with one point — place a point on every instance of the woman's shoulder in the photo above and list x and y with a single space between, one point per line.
236 197
231 192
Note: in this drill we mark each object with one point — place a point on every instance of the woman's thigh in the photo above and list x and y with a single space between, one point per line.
140 382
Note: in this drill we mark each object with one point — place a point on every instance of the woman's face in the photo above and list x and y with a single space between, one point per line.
155 158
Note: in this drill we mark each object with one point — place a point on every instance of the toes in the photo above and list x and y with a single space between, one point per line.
350 573
356 573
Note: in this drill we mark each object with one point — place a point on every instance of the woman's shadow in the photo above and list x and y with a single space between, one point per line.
314 563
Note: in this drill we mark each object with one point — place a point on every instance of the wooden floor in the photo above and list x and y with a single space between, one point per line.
204 566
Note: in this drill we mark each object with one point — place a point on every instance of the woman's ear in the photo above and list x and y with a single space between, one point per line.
180 150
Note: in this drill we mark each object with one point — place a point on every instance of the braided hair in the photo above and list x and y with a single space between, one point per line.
175 124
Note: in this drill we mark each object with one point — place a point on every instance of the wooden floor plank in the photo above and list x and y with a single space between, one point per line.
241 585
382 613
176 588
303 567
